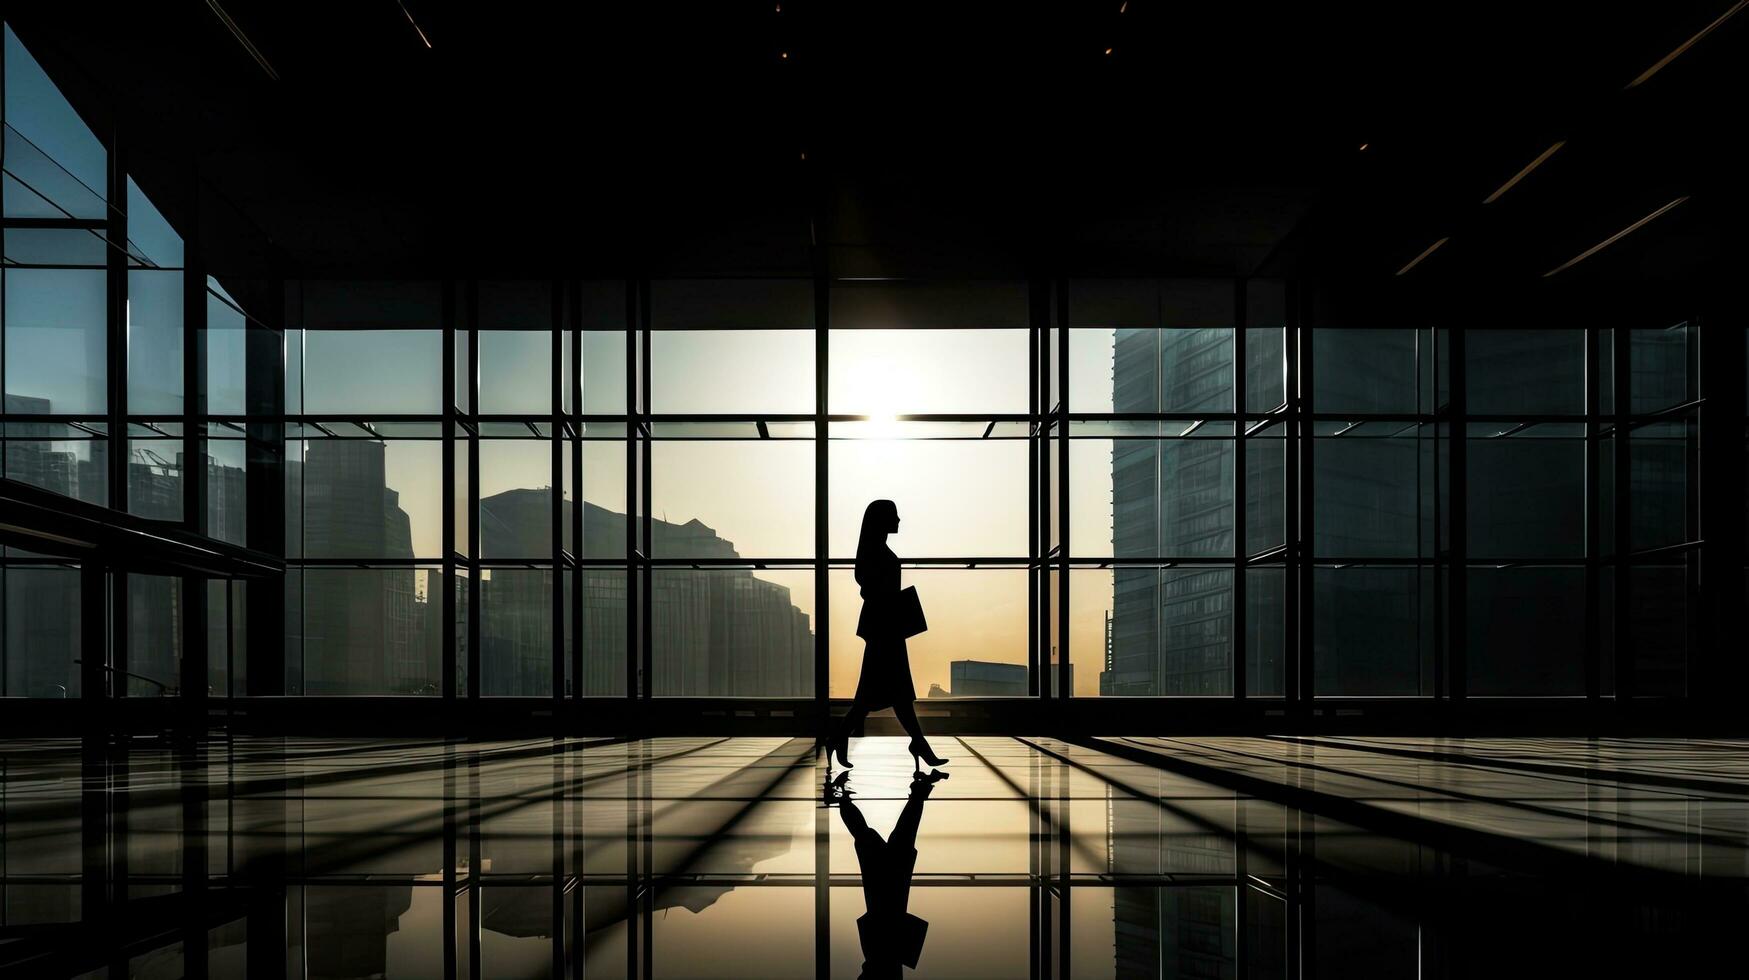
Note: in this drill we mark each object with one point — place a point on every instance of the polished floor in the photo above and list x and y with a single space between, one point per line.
745 857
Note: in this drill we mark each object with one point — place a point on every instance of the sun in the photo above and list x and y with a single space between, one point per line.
881 389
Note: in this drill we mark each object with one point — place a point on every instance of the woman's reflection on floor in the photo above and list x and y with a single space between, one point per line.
891 936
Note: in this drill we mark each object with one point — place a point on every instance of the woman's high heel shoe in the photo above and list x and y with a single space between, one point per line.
920 754
841 749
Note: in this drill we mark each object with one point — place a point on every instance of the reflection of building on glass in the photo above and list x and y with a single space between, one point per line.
41 610
1170 631
1180 931
43 454
984 679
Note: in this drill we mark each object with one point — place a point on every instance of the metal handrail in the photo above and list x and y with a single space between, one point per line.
164 690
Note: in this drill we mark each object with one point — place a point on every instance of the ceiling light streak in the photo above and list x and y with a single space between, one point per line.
1532 165
1417 259
1684 46
416 28
243 39
1611 240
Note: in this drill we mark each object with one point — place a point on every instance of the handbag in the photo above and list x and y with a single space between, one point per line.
907 616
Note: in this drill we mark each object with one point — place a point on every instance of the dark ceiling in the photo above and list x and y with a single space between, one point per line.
926 138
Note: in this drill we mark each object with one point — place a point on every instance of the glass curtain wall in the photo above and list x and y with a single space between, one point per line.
1174 444
589 489
125 388
1350 571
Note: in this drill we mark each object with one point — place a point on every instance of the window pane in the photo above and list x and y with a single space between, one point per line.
226 633
604 496
42 455
227 371
732 633
462 582
1660 457
364 372
1090 370
155 478
730 497
227 502
1526 633
516 506
1372 631
150 236
1373 492
734 371
1662 367
1090 620
1266 632
895 372
364 498
516 372
56 246
516 632
154 343
55 341
1265 368
604 372
1265 490
976 642
1525 372
1526 491
1170 630
294 630
1150 498
1173 370
463 506
372 630
463 381
155 635
955 497
42 630
604 632
1365 370
59 153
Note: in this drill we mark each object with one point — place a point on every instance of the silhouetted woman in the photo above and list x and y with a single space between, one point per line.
886 667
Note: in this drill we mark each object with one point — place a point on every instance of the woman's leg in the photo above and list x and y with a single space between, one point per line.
906 712
852 720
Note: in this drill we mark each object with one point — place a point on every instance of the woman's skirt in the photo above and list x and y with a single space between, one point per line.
886 675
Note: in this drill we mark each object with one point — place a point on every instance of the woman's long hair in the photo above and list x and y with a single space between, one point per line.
876 519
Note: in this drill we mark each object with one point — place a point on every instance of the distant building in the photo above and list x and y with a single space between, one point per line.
1170 629
715 632
984 679
362 631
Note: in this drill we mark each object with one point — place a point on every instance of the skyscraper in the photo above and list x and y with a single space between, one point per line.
363 631
1171 627
715 632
